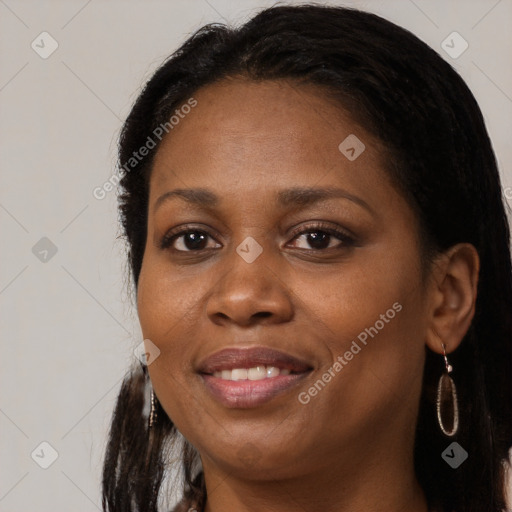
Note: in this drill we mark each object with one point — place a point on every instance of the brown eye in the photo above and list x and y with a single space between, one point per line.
186 241
320 238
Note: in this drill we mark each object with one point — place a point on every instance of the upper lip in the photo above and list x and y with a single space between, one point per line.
230 358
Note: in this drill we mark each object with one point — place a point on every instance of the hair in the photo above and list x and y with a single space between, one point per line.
439 156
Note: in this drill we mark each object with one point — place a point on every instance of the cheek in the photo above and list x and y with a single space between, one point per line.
353 297
372 312
375 318
166 306
170 307
165 297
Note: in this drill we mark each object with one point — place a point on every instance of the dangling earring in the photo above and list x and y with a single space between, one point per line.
152 413
447 401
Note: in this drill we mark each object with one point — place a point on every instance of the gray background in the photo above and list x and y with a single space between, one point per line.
68 323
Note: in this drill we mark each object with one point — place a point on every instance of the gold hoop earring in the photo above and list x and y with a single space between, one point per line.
446 402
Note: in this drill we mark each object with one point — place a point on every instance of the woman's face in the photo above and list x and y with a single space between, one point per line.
287 242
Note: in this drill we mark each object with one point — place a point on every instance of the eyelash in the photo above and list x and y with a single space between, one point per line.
346 240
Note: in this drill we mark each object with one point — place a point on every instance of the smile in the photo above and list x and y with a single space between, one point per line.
251 377
256 373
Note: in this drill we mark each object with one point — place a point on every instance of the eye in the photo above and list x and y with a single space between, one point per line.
320 236
186 240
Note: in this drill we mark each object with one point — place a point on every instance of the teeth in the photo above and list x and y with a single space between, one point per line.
239 374
256 373
272 371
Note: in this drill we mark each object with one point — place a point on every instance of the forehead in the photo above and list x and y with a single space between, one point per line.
258 135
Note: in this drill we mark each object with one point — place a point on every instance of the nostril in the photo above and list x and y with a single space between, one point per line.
263 314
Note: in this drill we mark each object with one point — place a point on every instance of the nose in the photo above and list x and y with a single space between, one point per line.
250 293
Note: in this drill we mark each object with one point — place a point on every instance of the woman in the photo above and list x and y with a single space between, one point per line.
312 203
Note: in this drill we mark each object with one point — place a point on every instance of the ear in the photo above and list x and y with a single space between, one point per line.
453 297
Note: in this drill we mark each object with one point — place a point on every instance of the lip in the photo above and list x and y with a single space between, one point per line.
248 394
230 358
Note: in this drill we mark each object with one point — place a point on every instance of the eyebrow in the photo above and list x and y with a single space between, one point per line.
297 196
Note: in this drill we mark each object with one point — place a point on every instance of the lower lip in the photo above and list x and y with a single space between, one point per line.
246 394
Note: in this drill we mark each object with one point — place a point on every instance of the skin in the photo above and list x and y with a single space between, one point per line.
351 447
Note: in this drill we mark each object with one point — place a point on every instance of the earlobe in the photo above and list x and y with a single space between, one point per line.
453 297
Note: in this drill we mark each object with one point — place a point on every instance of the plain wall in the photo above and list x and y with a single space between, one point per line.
68 325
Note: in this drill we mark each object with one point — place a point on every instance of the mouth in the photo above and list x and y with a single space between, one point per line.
255 373
251 377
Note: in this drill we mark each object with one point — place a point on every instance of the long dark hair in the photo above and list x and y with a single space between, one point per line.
441 159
